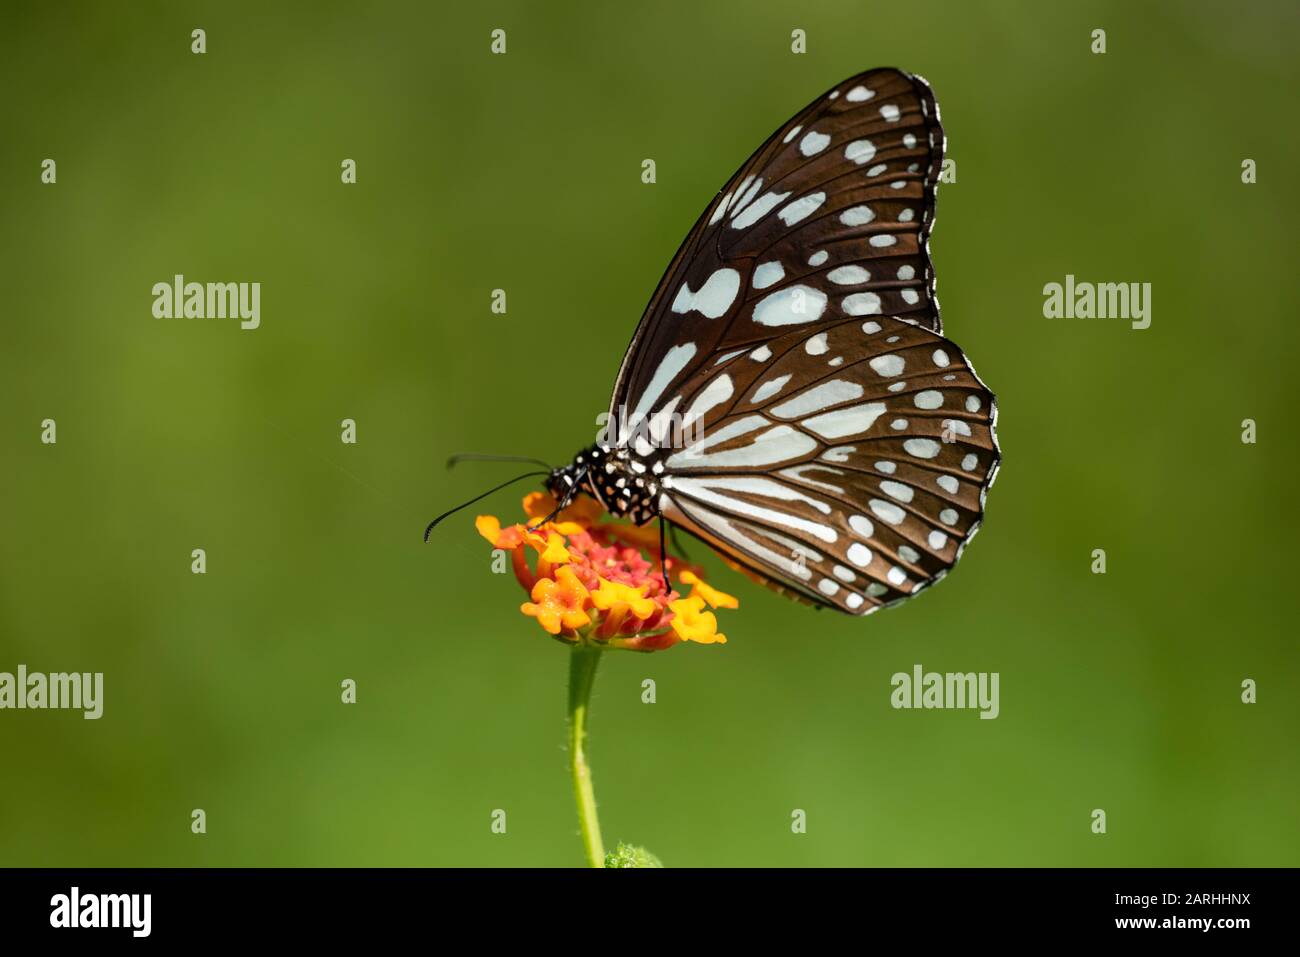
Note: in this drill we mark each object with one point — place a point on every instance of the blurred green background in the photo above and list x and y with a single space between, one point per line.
1118 691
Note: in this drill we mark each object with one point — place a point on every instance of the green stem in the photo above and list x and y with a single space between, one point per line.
582 676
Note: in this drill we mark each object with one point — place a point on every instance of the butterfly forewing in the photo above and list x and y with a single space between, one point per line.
835 443
830 217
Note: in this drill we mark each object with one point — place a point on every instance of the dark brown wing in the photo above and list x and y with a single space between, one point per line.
830 439
831 214
856 486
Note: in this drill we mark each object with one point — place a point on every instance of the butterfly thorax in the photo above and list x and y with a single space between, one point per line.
616 477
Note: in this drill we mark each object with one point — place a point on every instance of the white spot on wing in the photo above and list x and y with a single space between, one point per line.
779 444
848 275
706 490
714 394
819 397
860 151
813 143
842 422
897 490
801 208
922 448
790 306
859 554
660 421
862 525
757 210
857 216
861 304
720 210
713 299
888 366
673 362
886 511
770 388
768 273
797 473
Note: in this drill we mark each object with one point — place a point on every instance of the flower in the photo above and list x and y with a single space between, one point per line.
693 623
715 598
557 602
602 582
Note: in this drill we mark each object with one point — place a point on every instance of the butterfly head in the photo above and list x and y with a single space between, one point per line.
562 481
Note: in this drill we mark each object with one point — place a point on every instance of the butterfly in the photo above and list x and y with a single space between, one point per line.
788 396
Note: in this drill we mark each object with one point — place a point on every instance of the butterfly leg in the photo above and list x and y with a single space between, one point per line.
663 556
564 502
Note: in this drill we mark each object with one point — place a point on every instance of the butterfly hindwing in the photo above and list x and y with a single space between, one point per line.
857 487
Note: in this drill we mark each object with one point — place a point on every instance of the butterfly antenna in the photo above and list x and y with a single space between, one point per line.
486 457
453 511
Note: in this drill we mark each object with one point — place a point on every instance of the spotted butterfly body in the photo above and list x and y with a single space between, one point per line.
788 396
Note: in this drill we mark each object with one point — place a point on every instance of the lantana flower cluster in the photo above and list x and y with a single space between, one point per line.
602 582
